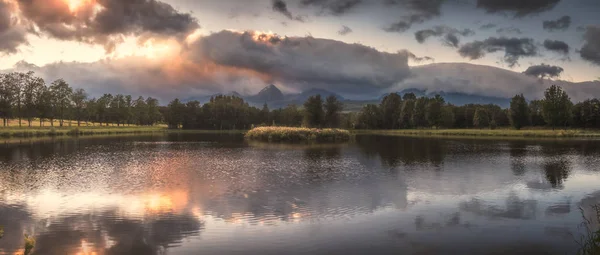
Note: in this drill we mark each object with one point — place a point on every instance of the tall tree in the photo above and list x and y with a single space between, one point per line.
433 113
61 93
556 107
31 96
333 108
102 108
419 118
518 112
535 112
45 109
406 113
79 98
391 108
313 111
369 117
154 114
447 117
481 118
175 115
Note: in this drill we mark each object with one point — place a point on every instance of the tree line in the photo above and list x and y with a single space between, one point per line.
555 110
230 112
24 96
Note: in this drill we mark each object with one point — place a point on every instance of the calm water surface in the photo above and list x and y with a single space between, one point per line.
216 194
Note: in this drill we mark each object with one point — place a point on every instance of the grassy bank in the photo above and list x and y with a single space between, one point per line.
26 132
532 133
289 134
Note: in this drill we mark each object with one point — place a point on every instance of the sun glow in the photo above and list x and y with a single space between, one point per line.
74 5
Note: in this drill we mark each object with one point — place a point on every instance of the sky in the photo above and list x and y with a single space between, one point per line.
185 48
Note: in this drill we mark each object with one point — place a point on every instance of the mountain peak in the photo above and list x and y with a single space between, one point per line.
268 94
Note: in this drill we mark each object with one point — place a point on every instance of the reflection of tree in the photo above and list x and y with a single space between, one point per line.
100 232
518 151
394 150
515 208
127 236
14 221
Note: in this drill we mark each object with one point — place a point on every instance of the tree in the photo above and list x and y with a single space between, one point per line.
535 112
333 108
45 109
518 112
102 108
313 112
175 115
369 117
556 107
419 118
447 117
79 98
154 114
291 116
264 115
433 112
481 118
406 113
32 96
61 94
140 111
409 96
391 108
6 98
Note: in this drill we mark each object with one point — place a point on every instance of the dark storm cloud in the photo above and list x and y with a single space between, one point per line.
509 30
514 48
520 8
232 61
281 7
335 7
305 62
107 25
543 71
449 34
562 23
418 11
414 57
557 46
345 30
591 48
488 26
12 32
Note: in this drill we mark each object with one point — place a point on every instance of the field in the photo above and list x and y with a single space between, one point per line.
290 134
531 133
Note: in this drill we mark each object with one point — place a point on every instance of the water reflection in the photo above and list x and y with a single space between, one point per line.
186 194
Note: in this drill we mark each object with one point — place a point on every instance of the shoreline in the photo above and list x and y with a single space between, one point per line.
488 133
8 133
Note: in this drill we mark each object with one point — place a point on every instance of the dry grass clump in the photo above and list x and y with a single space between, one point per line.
291 134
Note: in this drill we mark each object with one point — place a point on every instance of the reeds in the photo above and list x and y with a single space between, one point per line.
291 134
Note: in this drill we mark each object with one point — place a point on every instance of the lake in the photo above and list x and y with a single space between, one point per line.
218 194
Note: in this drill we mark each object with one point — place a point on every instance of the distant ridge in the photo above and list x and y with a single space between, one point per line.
268 94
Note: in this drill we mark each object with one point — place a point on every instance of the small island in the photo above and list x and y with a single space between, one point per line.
294 134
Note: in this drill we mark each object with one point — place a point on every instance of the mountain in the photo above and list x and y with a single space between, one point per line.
488 81
269 94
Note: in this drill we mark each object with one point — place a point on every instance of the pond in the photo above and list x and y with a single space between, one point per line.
218 194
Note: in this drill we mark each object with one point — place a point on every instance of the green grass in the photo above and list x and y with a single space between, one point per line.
290 134
533 133
28 132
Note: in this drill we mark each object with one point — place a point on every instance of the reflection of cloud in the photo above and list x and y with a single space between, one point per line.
515 208
559 208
